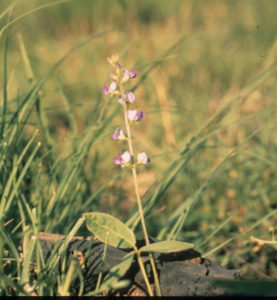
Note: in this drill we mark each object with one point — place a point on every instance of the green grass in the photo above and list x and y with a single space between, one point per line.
206 80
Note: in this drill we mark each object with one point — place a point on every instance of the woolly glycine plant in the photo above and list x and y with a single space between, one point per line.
117 87
110 230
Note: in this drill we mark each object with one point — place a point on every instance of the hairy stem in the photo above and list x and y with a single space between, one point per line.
143 271
139 202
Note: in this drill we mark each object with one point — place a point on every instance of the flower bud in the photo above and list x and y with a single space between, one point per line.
114 60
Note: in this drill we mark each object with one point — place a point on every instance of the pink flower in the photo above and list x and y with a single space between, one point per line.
109 89
128 75
120 100
113 86
135 115
126 156
119 135
105 89
123 159
142 158
133 73
117 160
128 96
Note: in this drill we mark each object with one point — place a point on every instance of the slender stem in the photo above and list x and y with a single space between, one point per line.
140 208
128 129
143 271
139 202
101 264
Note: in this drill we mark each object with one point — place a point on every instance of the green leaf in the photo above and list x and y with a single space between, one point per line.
112 279
167 247
110 230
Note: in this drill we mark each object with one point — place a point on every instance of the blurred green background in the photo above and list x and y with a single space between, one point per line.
207 82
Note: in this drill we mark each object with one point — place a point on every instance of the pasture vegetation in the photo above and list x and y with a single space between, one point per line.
207 85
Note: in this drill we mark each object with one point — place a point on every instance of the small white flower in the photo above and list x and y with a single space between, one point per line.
126 156
142 158
113 86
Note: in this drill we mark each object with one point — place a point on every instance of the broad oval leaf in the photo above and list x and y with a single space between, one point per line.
112 279
167 247
110 230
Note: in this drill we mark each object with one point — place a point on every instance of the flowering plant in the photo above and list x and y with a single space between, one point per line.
110 230
119 77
